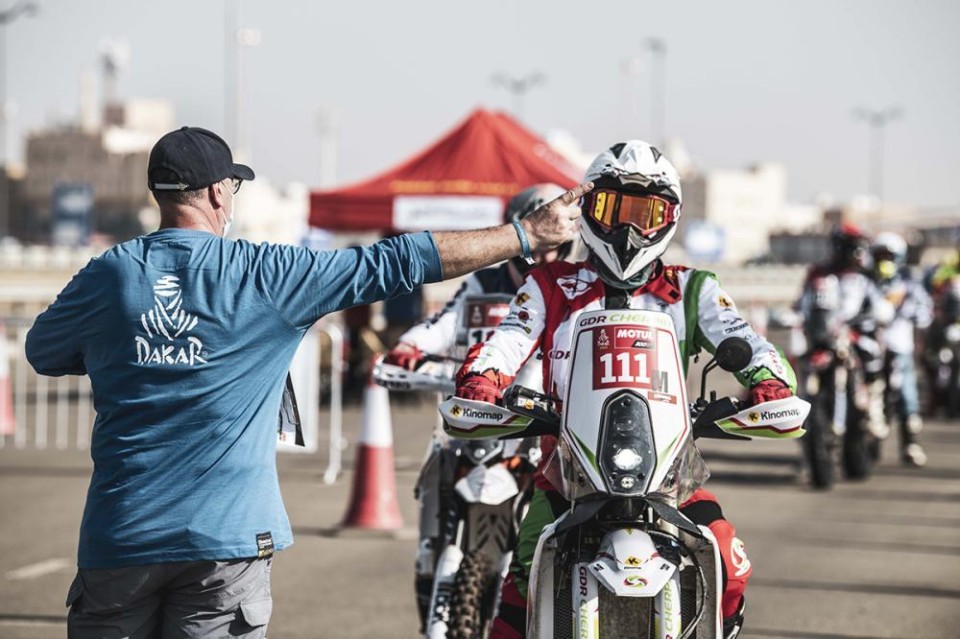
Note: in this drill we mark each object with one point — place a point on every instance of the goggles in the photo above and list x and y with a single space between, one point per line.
646 213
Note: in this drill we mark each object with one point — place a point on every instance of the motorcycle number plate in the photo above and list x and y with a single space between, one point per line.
481 315
625 356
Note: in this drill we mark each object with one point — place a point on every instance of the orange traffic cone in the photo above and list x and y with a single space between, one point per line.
373 500
8 422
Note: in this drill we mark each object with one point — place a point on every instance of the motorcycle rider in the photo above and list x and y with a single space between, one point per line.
914 309
628 221
943 283
438 335
861 306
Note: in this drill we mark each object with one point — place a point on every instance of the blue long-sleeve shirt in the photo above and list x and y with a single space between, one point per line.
187 338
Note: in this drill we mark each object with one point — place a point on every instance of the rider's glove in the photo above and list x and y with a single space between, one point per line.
481 387
769 390
404 355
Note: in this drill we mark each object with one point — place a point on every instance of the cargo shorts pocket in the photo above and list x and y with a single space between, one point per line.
256 612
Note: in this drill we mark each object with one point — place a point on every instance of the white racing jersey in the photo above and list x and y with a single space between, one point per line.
438 334
545 311
853 295
913 309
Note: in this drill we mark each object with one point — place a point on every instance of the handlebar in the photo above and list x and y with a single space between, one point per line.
708 413
540 407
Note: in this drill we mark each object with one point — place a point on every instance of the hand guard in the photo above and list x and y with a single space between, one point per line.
480 387
769 390
405 356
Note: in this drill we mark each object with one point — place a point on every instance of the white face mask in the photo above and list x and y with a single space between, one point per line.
228 224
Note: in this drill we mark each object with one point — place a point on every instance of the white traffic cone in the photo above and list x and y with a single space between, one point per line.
373 500
8 423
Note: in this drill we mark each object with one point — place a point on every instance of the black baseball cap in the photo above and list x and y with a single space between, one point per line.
196 157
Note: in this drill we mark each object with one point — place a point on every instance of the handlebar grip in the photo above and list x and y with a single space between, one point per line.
539 406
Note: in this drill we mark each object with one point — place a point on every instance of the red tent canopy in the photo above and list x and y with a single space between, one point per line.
461 181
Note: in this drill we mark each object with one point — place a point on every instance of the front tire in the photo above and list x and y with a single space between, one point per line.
818 444
471 603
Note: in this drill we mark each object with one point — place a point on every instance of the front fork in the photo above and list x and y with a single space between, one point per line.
446 575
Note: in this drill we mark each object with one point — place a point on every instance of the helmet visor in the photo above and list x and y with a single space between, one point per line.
646 213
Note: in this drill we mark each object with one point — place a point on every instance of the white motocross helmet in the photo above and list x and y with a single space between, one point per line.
632 212
889 252
890 245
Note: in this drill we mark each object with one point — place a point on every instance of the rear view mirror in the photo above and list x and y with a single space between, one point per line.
734 354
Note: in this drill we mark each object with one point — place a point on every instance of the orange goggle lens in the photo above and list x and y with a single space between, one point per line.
647 213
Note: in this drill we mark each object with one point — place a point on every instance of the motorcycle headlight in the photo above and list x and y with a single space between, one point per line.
627 457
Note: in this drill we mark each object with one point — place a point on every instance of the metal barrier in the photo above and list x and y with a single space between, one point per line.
61 408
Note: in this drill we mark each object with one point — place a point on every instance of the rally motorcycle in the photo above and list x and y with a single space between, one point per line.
832 379
623 561
485 487
943 350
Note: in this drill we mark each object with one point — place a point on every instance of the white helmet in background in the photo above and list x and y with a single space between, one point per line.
632 212
889 252
891 246
526 202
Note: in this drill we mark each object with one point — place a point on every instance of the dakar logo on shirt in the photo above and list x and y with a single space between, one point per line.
167 325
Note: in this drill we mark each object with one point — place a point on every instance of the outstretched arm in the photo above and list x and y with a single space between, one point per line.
549 226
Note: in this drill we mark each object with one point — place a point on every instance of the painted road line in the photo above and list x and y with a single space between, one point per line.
40 569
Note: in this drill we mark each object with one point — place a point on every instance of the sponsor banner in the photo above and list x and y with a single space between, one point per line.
446 213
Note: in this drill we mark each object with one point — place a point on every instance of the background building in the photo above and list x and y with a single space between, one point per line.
109 159
742 207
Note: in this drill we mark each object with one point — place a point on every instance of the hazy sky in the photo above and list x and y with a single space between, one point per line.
746 80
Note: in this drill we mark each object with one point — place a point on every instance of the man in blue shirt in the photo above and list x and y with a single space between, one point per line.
187 338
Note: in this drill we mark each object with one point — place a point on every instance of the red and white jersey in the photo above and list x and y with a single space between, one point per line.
546 308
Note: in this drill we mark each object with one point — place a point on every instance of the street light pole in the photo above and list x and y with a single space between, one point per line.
877 120
327 125
518 87
19 8
658 101
632 69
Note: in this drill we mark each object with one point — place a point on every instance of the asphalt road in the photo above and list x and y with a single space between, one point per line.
879 559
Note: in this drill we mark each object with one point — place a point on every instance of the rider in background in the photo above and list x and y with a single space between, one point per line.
628 221
914 310
943 283
437 336
861 307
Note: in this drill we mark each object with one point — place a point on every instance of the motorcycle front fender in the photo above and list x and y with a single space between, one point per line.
491 485
629 564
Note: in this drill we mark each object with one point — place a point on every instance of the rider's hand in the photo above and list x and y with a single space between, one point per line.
479 387
769 390
404 355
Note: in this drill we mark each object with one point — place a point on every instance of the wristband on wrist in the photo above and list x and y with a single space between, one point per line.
524 243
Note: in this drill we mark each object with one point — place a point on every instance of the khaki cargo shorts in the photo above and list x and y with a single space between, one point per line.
183 600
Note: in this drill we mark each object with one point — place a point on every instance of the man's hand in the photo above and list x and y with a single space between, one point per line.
557 221
769 390
479 387
404 355
551 225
